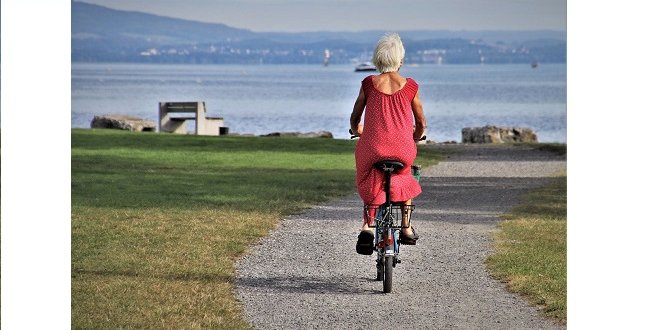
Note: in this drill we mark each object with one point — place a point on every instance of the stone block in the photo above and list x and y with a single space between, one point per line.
495 134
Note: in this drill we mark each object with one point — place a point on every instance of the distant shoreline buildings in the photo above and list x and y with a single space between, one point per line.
228 54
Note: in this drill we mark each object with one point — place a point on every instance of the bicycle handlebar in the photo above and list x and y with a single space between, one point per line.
353 136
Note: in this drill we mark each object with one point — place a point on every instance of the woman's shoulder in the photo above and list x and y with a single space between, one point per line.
412 81
411 85
366 82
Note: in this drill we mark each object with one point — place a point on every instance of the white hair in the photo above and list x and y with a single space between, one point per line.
389 53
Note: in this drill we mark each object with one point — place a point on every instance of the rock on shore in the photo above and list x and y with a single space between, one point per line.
495 134
320 134
123 122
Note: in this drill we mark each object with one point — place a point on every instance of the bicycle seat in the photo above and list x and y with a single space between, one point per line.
394 165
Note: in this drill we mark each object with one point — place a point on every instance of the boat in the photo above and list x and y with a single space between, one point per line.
535 64
327 56
365 66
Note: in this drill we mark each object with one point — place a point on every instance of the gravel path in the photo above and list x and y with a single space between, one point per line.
306 274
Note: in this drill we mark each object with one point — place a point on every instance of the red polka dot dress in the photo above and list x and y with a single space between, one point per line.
387 134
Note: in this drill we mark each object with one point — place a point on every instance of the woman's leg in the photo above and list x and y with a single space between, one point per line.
368 218
406 215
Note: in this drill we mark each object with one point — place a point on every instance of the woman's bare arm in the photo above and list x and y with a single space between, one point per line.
355 119
419 117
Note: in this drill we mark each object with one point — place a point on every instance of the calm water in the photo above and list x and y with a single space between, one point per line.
262 99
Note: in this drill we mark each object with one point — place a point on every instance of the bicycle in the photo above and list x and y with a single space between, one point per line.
387 221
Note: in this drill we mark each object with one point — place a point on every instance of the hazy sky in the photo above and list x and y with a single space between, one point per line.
354 15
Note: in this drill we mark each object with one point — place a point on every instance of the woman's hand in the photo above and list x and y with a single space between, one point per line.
359 130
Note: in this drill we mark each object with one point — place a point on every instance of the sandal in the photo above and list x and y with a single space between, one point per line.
409 239
365 243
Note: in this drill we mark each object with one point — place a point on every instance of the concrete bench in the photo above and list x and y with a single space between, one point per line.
202 125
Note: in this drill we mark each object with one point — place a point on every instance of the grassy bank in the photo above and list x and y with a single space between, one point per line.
158 220
530 249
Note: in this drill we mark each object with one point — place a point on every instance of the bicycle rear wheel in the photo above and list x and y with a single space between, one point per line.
388 274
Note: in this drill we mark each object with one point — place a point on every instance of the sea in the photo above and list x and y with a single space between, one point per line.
260 99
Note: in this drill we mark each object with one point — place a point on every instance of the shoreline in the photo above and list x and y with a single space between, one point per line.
238 134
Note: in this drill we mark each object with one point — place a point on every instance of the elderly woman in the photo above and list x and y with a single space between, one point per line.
393 122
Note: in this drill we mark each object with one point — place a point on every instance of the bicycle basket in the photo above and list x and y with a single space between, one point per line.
377 213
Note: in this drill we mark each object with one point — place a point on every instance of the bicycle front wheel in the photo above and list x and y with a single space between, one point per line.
388 274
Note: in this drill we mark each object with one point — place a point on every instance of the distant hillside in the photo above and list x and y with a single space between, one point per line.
93 20
371 36
101 34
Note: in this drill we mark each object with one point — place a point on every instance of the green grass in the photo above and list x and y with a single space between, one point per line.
530 249
158 220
